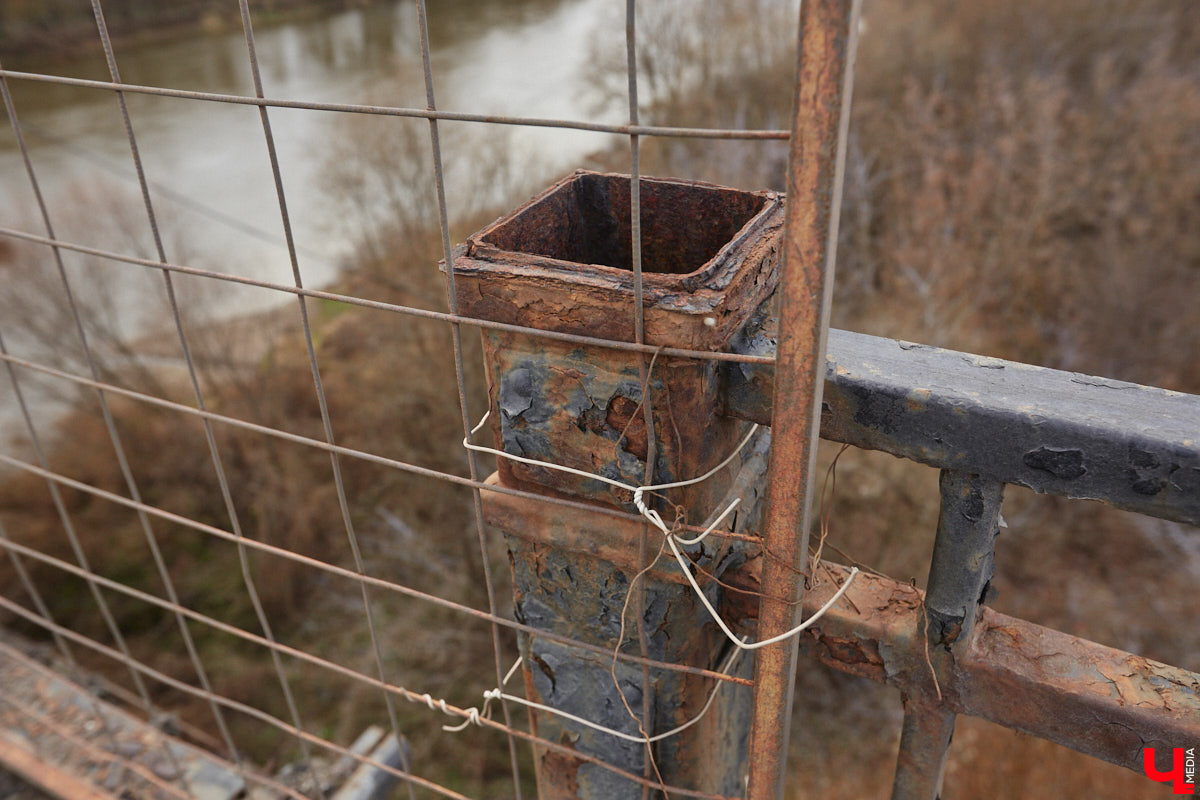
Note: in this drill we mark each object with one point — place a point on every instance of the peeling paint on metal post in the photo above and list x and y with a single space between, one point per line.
825 71
562 262
963 555
960 573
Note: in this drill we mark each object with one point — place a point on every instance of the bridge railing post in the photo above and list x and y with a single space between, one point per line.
561 263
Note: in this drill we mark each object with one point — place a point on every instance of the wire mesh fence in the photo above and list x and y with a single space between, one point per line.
182 664
262 525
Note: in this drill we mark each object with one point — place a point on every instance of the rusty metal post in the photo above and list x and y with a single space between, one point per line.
963 566
827 43
563 262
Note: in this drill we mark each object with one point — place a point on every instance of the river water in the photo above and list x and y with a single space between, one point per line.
209 171
208 163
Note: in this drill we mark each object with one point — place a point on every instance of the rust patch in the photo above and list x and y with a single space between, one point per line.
624 415
559 775
850 654
560 261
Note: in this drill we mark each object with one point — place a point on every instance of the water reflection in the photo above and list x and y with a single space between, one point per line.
523 57
343 174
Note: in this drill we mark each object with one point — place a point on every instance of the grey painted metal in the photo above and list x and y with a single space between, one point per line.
572 574
1135 447
921 761
368 782
963 555
961 570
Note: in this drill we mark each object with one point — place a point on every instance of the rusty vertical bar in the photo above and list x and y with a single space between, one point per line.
824 77
962 567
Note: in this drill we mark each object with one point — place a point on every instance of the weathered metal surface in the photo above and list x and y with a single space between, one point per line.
963 555
921 759
962 567
561 261
1063 433
825 76
51 735
46 777
1094 699
572 573
582 408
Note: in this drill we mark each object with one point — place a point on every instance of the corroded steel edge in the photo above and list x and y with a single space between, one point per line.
1135 447
572 573
89 756
548 294
1097 700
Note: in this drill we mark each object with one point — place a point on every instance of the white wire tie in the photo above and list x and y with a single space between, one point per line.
655 519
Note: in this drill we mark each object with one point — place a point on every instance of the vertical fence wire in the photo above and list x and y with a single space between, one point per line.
111 427
322 401
459 379
218 464
639 328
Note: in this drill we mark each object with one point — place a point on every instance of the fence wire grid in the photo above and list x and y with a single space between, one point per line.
257 591
27 602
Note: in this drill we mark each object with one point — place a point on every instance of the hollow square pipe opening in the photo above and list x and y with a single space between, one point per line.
587 220
563 260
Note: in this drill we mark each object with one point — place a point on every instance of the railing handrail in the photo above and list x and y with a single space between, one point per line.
1135 447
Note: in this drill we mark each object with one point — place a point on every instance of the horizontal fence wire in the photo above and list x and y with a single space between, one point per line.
417 113
380 305
342 572
234 705
236 533
364 455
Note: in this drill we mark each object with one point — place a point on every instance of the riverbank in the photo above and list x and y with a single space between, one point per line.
56 33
